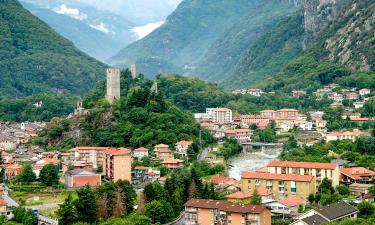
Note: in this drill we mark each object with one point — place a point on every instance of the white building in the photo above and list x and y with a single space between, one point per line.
364 91
220 115
306 126
140 152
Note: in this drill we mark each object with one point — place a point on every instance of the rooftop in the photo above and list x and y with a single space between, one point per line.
336 210
292 200
81 172
183 142
357 172
224 206
118 151
314 220
274 176
172 161
141 149
313 165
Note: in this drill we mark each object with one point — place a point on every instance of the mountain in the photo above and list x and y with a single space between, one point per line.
102 28
88 39
203 36
341 52
35 59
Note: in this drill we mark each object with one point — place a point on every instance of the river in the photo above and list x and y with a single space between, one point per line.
247 162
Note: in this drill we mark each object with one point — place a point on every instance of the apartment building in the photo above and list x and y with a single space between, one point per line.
281 185
95 155
317 170
220 115
208 212
182 147
162 152
117 164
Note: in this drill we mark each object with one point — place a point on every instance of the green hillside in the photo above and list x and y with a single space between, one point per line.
35 59
270 53
343 53
206 34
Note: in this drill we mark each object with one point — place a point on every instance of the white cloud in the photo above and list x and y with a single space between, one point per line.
101 27
143 31
72 12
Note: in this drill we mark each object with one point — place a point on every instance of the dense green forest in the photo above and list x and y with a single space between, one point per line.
23 109
35 59
266 56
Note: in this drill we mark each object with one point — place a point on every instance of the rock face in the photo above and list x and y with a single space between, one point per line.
317 14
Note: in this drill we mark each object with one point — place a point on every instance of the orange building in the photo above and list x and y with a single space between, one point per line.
79 178
173 163
162 152
87 154
207 212
117 164
359 175
12 170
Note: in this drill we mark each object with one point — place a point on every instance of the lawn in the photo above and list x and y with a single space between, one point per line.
47 203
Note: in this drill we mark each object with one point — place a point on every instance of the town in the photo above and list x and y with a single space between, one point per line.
300 192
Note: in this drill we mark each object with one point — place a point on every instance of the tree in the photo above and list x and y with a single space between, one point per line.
86 205
24 216
372 190
132 219
27 175
67 212
128 195
300 208
366 209
178 200
49 175
102 207
159 211
118 205
256 199
154 191
342 189
311 198
326 186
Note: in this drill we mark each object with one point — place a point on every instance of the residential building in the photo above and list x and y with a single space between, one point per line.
306 126
281 185
207 212
162 152
12 170
255 92
182 147
140 153
258 120
347 135
358 104
327 214
268 113
220 115
95 155
359 189
352 96
364 91
140 172
172 163
241 135
79 178
317 170
359 175
287 113
43 162
117 164
245 197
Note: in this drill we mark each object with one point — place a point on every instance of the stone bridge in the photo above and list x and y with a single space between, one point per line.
273 149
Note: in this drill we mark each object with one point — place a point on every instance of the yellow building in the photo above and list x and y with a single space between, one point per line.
281 185
207 212
317 170
117 164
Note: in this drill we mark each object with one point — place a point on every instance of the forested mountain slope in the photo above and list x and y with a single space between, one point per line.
35 59
344 52
204 38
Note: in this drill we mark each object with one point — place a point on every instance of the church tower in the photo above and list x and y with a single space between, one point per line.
113 84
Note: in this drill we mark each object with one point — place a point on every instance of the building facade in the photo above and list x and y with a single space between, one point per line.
117 164
113 84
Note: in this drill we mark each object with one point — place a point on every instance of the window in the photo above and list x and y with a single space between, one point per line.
293 190
281 183
257 182
249 181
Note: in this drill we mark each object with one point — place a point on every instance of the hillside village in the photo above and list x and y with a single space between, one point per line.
285 188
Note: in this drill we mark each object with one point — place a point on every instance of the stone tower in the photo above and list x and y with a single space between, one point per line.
154 88
133 70
113 84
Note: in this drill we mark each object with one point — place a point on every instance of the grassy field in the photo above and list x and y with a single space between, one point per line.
47 203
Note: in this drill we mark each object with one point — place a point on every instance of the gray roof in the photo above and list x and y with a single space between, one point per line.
314 220
80 172
336 210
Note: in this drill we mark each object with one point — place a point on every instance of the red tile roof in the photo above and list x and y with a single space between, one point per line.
222 180
274 176
225 206
183 142
3 202
141 149
161 145
118 151
172 161
357 172
262 191
292 164
89 148
141 168
292 200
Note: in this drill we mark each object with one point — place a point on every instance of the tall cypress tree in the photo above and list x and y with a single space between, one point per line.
86 205
67 212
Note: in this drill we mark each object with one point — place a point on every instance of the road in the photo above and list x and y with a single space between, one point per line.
203 155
